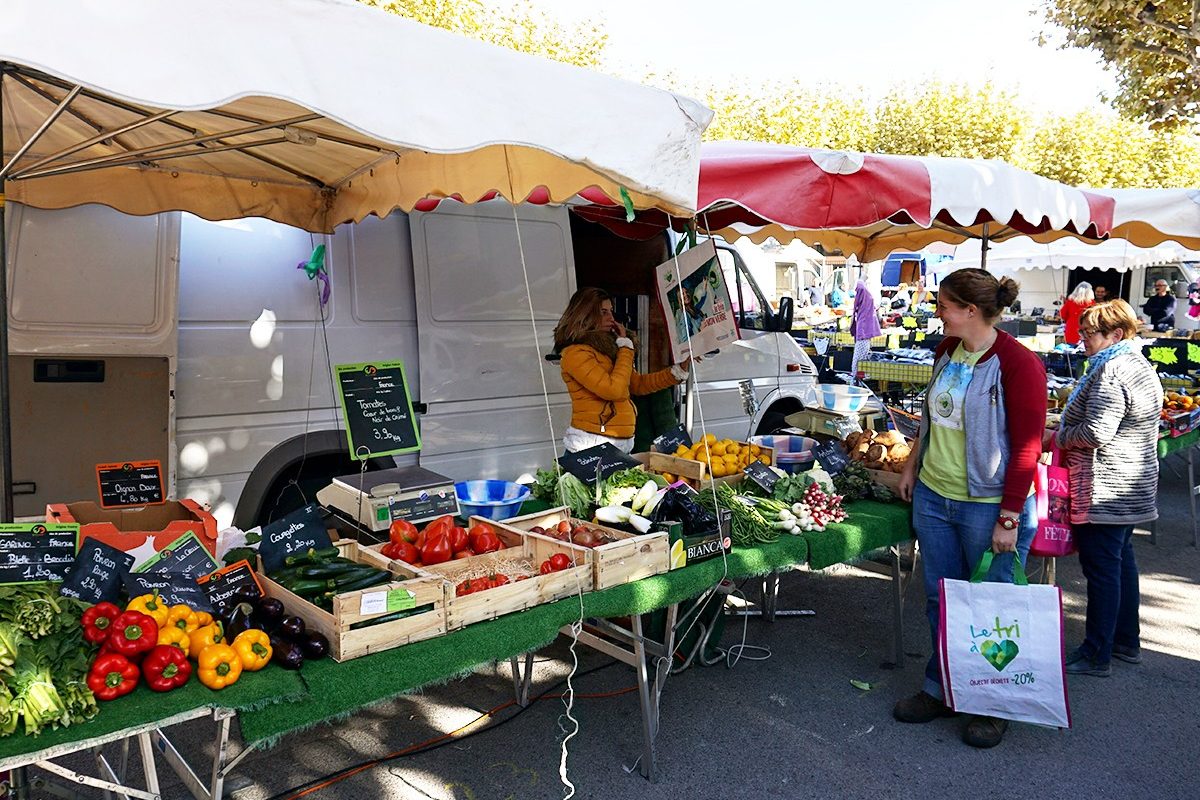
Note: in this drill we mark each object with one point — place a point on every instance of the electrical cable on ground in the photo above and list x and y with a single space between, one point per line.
445 739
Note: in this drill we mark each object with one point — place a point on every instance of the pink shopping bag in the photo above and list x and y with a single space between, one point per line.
1053 487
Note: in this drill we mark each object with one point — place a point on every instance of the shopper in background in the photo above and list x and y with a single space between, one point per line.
1101 292
865 324
971 471
1159 308
597 366
1109 439
1082 298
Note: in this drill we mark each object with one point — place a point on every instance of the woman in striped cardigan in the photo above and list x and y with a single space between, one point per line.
1109 439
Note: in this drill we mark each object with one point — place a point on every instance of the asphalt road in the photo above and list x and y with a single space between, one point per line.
790 726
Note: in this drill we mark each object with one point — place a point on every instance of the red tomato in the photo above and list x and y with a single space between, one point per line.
545 568
401 530
560 561
436 550
458 538
486 543
439 525
462 588
463 554
477 530
407 553
480 585
498 580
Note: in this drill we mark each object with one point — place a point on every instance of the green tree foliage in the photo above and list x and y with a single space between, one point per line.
520 27
951 120
1153 46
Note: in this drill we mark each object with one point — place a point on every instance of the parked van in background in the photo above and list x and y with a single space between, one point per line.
202 344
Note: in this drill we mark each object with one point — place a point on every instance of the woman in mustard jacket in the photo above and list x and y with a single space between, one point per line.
597 366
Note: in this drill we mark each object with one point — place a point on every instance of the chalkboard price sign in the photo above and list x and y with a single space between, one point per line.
298 532
223 584
186 554
98 572
832 457
37 552
172 587
603 457
377 409
669 442
761 474
130 483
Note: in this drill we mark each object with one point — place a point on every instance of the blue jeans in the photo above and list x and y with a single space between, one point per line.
953 535
1113 596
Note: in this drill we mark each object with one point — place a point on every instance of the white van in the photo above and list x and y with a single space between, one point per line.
202 344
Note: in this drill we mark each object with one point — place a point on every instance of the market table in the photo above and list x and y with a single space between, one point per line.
1185 444
274 702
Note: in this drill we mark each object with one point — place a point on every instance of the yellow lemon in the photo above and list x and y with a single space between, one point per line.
755 449
765 459
711 438
682 450
718 449
668 477
733 448
678 554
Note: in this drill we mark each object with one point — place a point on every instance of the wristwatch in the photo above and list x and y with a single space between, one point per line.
1008 523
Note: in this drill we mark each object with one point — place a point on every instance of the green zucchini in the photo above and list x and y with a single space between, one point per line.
364 583
311 556
332 569
308 588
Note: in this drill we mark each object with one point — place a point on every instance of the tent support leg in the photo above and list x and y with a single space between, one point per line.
6 497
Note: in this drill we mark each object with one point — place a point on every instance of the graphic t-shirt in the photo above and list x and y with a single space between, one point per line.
944 465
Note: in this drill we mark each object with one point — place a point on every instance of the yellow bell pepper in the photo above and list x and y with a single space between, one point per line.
176 637
204 637
253 649
183 617
203 619
152 606
219 666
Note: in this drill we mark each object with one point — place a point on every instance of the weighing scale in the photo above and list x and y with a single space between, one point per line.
374 499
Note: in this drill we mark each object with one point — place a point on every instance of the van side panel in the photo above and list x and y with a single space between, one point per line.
482 368
254 369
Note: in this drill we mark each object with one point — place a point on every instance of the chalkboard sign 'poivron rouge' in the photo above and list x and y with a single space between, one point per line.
130 483
377 409
98 572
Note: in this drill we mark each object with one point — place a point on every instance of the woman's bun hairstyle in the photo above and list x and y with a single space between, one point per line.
1007 292
979 288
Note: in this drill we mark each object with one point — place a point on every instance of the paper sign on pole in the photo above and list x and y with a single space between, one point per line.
695 299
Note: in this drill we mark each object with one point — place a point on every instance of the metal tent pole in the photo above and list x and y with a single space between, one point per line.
6 506
983 248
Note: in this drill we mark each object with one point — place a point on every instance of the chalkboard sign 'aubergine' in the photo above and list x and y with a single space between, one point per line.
377 409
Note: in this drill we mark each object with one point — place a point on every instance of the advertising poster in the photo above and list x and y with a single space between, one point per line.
695 298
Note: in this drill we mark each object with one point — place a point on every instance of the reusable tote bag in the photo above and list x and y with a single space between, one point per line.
1053 487
1001 648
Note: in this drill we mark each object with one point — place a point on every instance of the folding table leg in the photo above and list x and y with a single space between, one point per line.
648 701
1192 490
522 678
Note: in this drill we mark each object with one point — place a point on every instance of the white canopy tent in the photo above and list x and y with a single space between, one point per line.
310 113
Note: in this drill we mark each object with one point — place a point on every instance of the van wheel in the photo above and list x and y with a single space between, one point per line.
771 422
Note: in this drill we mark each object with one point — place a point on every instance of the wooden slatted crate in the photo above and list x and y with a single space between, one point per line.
632 557
345 626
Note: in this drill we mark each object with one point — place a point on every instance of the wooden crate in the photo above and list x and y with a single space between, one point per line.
695 473
518 595
345 642
632 557
884 478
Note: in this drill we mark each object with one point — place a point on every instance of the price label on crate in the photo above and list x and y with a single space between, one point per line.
762 475
130 483
603 458
186 554
172 587
831 456
669 442
35 552
97 573
298 532
222 585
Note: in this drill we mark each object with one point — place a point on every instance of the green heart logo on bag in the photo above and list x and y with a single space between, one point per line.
1001 654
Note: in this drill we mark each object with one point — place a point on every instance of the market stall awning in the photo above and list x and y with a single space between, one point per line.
1147 217
1023 253
870 205
314 113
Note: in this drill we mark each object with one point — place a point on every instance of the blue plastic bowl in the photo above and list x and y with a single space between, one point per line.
490 499
792 453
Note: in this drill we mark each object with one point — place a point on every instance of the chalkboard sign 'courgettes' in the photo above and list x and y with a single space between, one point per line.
125 484
98 572
298 532
35 552
377 409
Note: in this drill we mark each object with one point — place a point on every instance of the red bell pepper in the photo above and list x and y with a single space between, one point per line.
166 668
112 675
133 633
402 530
437 549
97 622
483 539
458 538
